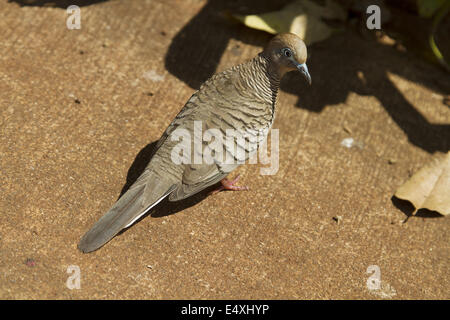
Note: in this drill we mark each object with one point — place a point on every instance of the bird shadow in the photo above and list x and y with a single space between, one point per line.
166 207
341 65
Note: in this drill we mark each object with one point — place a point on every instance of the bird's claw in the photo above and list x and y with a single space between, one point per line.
229 185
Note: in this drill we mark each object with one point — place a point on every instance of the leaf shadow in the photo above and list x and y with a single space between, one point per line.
408 209
195 51
365 67
344 64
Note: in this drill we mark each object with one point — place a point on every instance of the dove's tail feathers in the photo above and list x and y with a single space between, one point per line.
137 201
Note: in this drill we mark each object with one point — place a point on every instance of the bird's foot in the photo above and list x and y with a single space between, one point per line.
229 185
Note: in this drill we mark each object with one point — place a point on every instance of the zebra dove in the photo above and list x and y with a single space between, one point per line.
242 98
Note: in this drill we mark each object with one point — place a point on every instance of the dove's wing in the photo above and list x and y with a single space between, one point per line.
197 178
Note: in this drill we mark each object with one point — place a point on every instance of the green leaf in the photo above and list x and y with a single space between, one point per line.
427 8
302 17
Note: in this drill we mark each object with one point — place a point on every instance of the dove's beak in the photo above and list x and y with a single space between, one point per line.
304 71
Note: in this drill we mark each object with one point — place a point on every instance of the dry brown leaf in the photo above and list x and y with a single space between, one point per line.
429 188
302 17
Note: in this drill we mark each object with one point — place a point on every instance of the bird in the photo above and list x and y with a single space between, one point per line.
242 98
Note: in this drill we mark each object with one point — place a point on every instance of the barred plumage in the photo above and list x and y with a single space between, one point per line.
242 99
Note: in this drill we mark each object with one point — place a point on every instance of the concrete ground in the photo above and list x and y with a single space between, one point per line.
80 109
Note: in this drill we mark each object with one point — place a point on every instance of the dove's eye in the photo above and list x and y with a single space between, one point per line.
287 52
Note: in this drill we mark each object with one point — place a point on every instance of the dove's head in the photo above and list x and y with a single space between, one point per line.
288 52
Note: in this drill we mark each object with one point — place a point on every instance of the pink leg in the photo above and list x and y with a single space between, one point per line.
229 185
